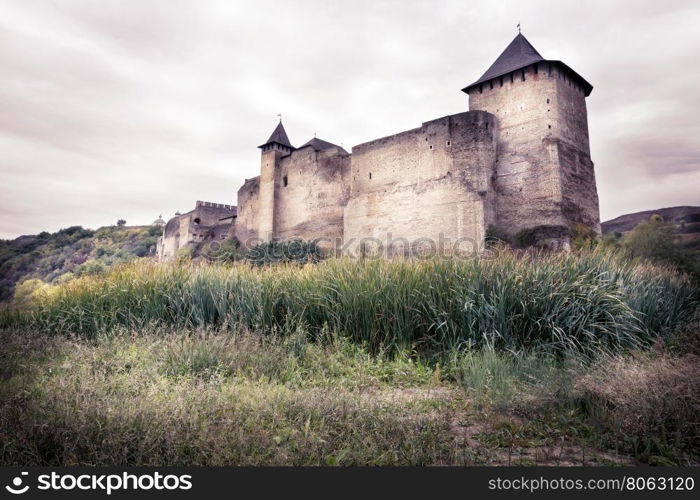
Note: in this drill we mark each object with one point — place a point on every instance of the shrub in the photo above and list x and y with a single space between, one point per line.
652 239
228 250
297 251
496 236
90 268
582 236
526 238
27 291
537 236
184 254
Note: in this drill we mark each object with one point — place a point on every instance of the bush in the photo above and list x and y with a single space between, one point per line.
27 291
652 239
296 251
228 250
526 238
537 236
582 236
496 236
184 254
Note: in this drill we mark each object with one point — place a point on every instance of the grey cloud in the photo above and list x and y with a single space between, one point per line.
139 107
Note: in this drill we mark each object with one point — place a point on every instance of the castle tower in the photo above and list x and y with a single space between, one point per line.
276 147
544 177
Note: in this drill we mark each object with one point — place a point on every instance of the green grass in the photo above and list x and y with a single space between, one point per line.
554 302
518 358
161 396
212 398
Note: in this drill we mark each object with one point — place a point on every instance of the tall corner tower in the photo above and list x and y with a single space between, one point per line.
273 150
544 178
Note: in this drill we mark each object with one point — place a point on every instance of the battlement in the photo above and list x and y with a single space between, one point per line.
211 204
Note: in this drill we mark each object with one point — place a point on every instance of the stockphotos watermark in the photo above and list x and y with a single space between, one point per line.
370 247
106 483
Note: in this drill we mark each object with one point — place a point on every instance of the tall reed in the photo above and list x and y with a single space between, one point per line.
557 302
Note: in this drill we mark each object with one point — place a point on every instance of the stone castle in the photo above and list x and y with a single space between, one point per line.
517 161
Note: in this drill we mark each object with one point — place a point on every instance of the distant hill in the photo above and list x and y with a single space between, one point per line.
686 218
74 251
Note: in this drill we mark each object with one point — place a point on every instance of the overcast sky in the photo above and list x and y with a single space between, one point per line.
129 109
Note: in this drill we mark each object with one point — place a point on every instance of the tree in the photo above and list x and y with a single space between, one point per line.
121 223
652 239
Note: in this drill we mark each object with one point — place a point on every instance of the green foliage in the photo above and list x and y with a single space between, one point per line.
526 238
27 291
612 241
560 302
70 252
228 250
160 396
496 236
296 251
184 254
582 237
652 239
121 223
657 240
215 398
90 268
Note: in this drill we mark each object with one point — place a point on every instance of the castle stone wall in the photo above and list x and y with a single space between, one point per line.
429 183
579 191
203 224
518 160
247 223
310 193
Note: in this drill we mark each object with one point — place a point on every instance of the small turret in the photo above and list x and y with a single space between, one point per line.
278 140
277 146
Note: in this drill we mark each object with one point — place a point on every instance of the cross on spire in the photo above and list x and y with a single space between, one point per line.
518 26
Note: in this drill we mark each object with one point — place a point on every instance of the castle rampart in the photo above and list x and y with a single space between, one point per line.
518 160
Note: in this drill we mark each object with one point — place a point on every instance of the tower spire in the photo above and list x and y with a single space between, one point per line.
279 136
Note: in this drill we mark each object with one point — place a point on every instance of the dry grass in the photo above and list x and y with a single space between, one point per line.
650 401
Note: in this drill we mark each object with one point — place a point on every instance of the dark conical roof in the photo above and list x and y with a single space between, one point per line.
518 54
320 145
279 135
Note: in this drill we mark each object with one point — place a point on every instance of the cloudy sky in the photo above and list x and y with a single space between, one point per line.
129 109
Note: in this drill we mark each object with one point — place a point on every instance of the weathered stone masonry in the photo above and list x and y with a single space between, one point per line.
519 159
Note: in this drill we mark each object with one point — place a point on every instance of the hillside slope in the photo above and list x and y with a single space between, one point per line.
70 252
679 215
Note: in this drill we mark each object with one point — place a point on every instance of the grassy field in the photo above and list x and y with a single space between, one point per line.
554 302
518 359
